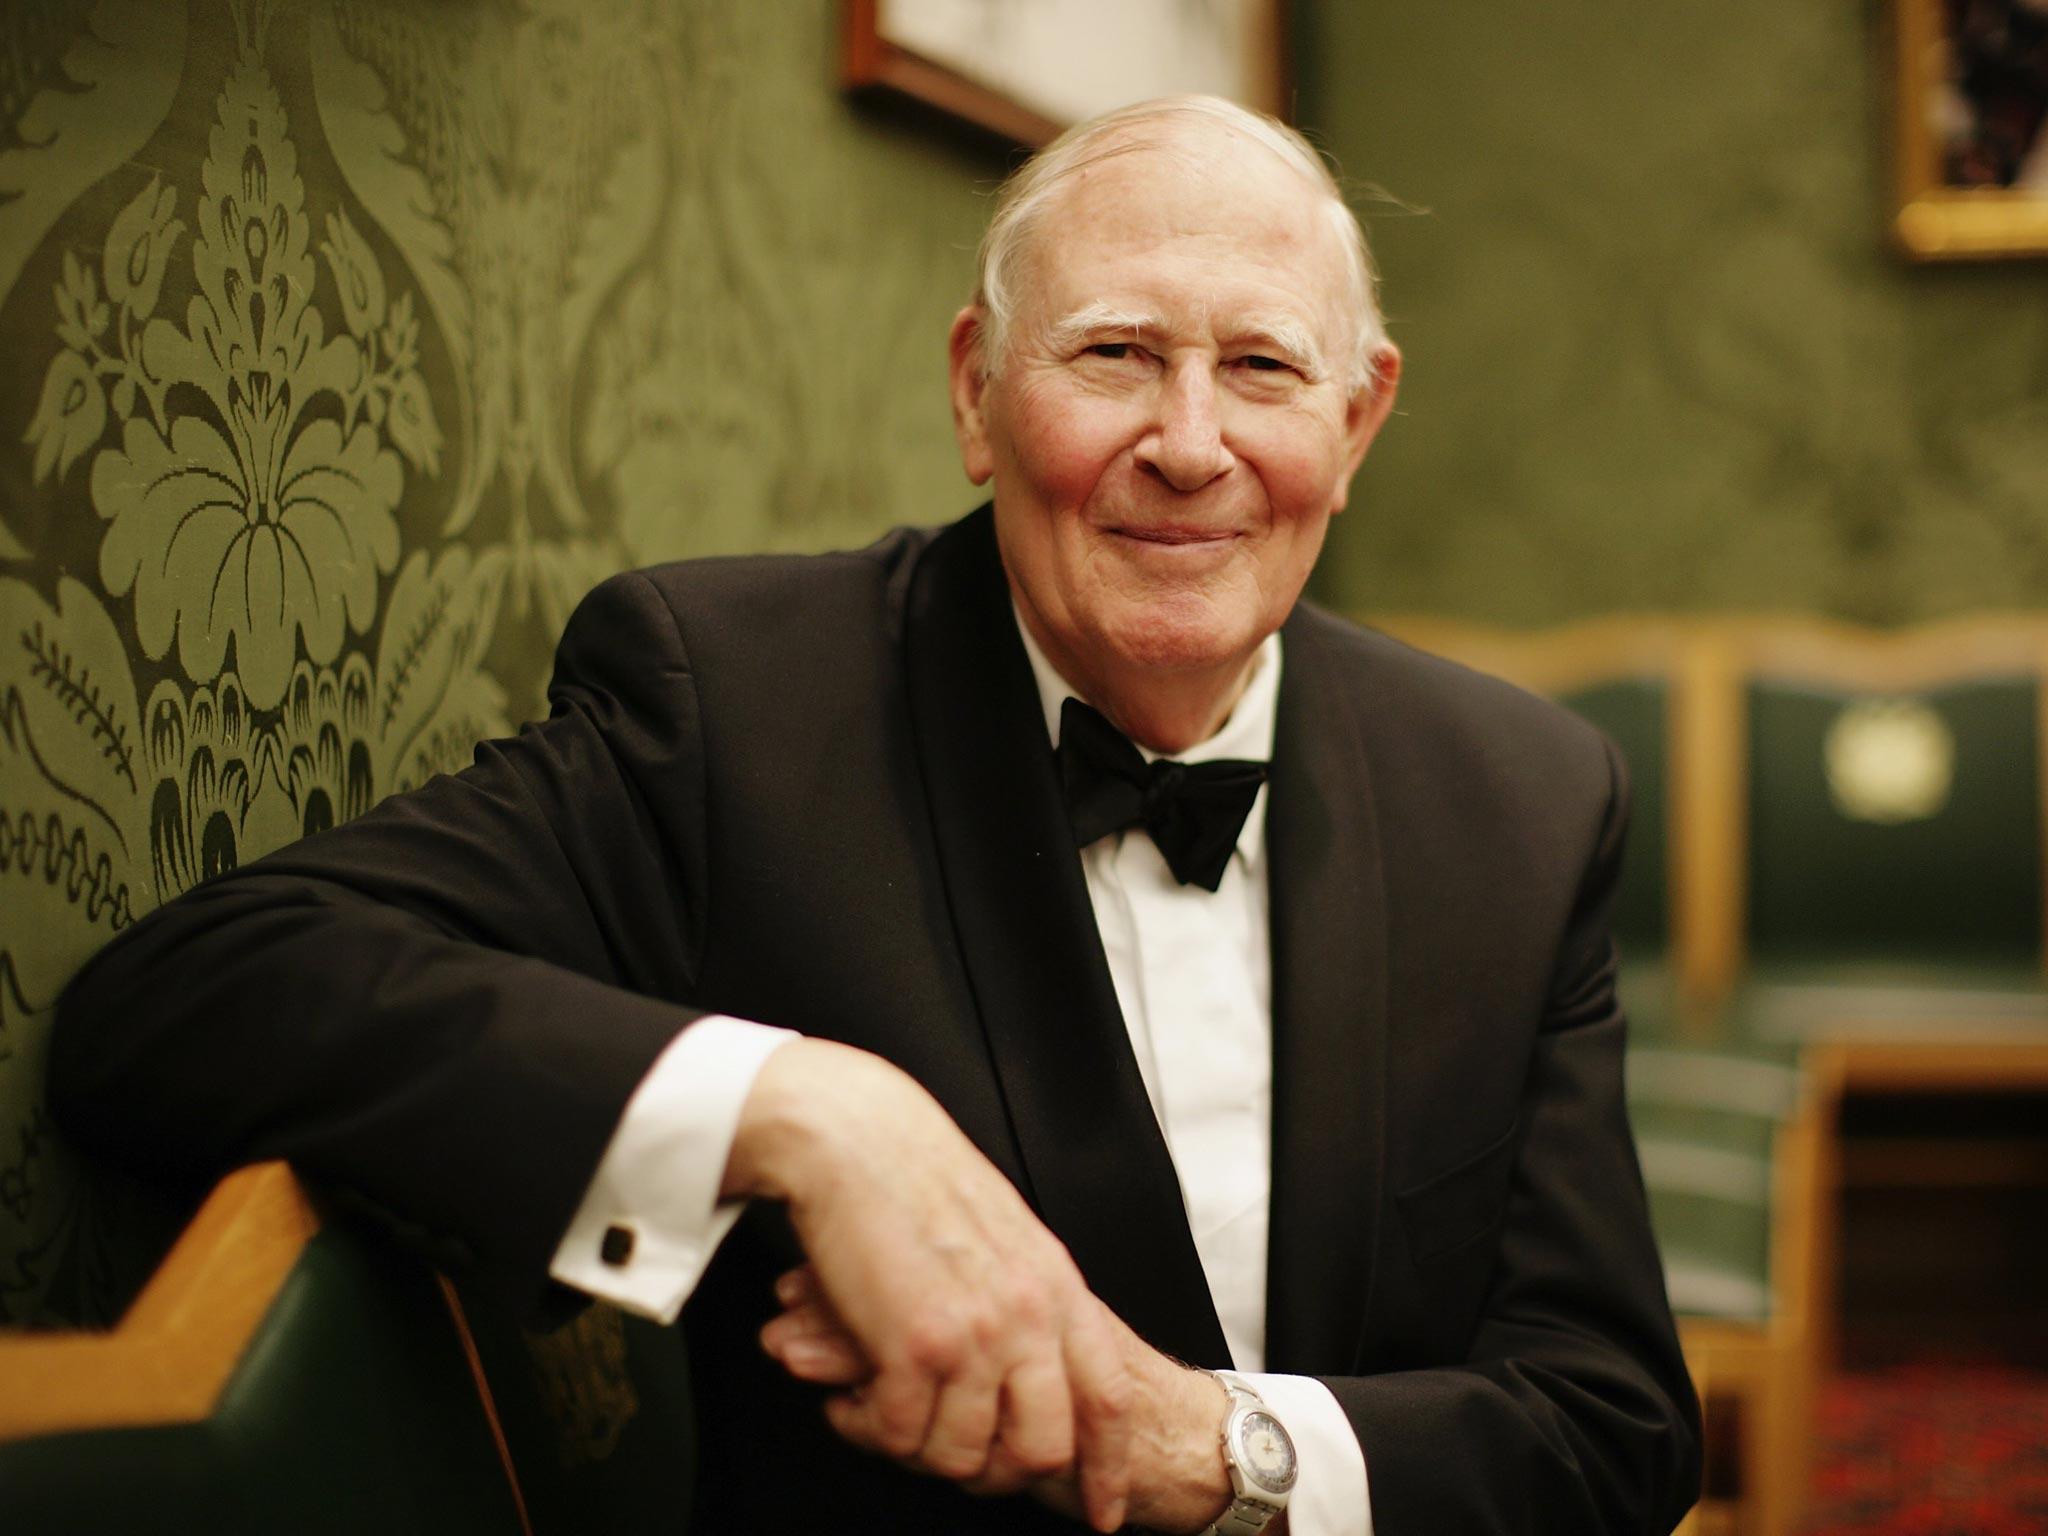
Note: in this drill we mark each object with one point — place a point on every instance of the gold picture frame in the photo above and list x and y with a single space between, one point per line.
1971 177
1022 69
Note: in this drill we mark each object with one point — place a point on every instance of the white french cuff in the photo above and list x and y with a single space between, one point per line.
651 1219
1330 1498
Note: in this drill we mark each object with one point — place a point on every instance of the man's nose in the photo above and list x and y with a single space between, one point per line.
1184 444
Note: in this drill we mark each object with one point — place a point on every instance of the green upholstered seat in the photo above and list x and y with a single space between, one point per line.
1705 1124
353 1410
1791 1001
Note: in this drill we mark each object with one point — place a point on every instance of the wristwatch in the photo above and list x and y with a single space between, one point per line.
1260 1455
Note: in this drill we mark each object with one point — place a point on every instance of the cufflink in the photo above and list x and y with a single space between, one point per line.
616 1249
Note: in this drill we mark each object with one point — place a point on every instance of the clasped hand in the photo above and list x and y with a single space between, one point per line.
961 1336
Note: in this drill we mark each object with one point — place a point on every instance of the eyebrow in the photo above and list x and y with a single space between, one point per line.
1279 333
1283 334
1098 320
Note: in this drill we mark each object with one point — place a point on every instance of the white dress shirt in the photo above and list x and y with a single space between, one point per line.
1193 976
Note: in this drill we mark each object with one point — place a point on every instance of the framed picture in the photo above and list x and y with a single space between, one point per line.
1025 69
1972 124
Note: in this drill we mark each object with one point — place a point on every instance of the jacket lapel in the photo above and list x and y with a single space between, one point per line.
1097 1169
1329 930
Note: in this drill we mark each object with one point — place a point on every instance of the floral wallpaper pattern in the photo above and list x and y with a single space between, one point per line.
352 341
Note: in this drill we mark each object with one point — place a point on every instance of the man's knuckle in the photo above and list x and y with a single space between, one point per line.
935 1345
1024 1304
1109 1402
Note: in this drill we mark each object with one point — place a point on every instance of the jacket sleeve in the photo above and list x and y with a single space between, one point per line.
441 1007
1571 1410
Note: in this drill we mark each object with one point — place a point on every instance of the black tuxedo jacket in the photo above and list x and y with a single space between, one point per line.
818 792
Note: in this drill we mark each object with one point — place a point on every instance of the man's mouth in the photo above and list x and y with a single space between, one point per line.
1176 535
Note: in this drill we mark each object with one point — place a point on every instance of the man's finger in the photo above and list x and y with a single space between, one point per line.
963 1426
1036 1428
892 1413
826 1356
811 1320
795 1287
1101 1388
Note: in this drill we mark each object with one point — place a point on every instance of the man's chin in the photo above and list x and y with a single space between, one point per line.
1183 639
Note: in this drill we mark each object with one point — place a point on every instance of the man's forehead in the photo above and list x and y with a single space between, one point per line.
1113 235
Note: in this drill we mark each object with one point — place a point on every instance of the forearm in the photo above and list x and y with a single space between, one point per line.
443 1005
433 1080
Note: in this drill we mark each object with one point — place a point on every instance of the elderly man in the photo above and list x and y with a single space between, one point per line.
1062 954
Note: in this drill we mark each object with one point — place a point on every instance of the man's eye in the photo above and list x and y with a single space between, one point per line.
1115 351
1259 364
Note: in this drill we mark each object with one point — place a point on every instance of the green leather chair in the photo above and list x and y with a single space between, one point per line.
1725 1139
348 1408
285 1373
1706 1125
1894 862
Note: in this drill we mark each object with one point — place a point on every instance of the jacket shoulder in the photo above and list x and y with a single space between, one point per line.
1430 703
750 606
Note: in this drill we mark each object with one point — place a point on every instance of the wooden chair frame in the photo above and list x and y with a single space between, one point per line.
171 1355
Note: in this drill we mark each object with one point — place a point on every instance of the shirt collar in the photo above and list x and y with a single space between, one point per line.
1248 733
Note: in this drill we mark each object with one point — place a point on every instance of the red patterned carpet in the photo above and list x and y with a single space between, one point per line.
1933 1451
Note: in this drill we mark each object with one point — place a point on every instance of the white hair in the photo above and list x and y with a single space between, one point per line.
1022 199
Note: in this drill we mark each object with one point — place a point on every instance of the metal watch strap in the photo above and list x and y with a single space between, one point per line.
1246 1516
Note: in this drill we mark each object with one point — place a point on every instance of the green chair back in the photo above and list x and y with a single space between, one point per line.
1899 828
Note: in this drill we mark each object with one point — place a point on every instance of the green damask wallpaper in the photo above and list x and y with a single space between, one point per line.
351 341
1660 354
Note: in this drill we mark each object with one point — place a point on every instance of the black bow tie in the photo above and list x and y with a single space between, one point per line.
1193 811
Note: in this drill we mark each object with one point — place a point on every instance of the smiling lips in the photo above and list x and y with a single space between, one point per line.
1171 535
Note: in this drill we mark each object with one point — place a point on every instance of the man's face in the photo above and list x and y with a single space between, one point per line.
1172 424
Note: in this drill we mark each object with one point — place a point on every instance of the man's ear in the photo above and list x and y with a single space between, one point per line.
969 389
1367 412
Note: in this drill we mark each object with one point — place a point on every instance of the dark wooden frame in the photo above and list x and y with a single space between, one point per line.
872 62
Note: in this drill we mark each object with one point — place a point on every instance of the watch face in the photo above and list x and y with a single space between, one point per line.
1265 1452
